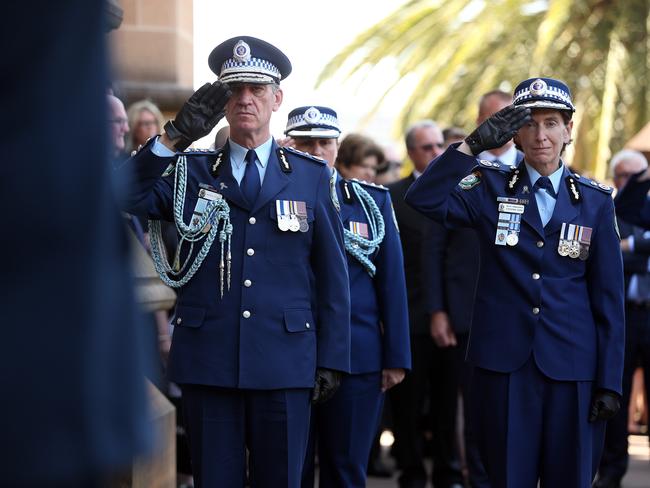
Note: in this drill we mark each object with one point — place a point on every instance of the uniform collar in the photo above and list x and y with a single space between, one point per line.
238 153
555 177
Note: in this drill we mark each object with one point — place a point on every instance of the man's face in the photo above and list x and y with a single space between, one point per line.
427 145
326 149
249 109
490 106
118 124
146 126
626 168
543 137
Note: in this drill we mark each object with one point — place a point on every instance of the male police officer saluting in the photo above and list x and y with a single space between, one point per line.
255 222
549 345
346 425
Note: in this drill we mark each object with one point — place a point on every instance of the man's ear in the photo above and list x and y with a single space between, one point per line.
278 99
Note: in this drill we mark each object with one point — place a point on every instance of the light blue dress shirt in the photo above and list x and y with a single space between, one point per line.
237 157
545 201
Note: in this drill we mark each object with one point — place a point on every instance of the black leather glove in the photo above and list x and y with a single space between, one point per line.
327 382
198 116
498 129
604 405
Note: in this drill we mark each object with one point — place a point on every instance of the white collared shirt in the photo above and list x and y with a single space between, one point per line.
509 157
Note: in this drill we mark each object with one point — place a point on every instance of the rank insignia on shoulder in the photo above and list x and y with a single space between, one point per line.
471 180
595 185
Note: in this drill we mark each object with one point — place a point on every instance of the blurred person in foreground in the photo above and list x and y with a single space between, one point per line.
635 245
345 426
263 243
74 404
548 336
358 157
417 404
145 121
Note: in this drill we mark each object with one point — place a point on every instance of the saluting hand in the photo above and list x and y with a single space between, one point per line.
197 117
497 129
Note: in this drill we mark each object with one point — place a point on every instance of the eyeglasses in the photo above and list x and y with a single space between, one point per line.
118 121
429 147
147 123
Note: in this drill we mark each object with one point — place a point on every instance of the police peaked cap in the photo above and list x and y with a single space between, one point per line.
313 121
246 59
543 93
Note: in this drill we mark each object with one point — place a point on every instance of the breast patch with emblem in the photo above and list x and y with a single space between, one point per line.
471 180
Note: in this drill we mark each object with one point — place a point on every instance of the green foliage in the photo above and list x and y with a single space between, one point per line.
460 49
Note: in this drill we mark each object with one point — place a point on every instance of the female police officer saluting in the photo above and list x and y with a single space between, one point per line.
345 425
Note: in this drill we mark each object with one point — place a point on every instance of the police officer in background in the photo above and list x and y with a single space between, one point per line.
345 426
256 224
548 347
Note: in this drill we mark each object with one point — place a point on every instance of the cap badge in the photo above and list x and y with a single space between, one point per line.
312 115
538 87
241 52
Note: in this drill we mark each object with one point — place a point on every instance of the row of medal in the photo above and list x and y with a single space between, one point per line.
574 241
292 215
509 222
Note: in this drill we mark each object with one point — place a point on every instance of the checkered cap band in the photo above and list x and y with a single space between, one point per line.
254 68
325 120
552 93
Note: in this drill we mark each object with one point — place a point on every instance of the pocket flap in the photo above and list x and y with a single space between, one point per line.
274 212
299 320
185 316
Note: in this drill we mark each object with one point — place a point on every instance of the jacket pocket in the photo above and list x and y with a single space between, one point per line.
299 321
185 316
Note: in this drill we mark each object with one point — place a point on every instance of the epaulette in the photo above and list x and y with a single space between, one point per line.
370 185
304 155
593 184
485 164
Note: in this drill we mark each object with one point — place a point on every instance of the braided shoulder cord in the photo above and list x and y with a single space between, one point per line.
217 215
360 247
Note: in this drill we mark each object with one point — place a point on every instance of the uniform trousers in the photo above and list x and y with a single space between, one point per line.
530 427
637 352
344 428
223 422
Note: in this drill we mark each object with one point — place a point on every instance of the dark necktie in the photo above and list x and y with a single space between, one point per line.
544 183
250 183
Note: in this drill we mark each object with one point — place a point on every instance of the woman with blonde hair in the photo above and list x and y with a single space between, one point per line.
145 121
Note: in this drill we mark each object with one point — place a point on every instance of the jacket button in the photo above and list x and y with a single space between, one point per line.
246 314
307 325
178 321
535 276
252 221
535 310
247 283
250 251
540 243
